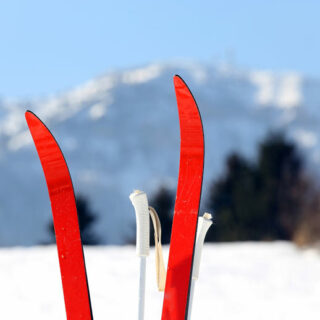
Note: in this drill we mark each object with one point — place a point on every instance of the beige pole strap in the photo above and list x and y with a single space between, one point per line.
160 269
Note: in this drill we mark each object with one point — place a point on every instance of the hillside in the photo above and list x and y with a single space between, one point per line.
120 132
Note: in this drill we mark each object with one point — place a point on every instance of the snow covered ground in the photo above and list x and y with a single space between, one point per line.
237 281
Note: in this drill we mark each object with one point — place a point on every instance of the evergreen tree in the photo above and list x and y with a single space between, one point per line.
228 200
282 190
262 200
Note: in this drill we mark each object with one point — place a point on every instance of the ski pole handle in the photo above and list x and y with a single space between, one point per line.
204 224
140 203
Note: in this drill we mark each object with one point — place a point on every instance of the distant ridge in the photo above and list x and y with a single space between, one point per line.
120 132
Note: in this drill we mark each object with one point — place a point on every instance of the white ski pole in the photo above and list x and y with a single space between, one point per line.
204 224
140 203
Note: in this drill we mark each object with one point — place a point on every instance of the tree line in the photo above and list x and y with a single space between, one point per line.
273 197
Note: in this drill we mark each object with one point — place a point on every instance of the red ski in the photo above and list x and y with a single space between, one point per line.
186 207
65 219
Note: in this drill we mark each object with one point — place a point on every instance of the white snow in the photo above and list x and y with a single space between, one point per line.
97 111
247 281
284 91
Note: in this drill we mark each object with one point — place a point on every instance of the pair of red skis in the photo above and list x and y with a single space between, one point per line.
65 218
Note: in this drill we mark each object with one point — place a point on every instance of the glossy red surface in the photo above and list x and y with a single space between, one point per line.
187 205
65 218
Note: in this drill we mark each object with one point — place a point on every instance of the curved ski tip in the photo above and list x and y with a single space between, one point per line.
29 114
32 120
178 81
26 114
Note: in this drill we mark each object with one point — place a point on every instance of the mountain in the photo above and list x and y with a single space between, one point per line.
120 132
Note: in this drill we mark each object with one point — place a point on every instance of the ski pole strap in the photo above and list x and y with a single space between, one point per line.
160 269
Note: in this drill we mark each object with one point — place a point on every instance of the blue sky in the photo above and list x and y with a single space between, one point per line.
50 46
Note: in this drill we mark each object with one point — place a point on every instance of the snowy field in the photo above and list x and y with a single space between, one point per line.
237 281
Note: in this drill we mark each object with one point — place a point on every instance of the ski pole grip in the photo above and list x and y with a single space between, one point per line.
140 203
204 224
